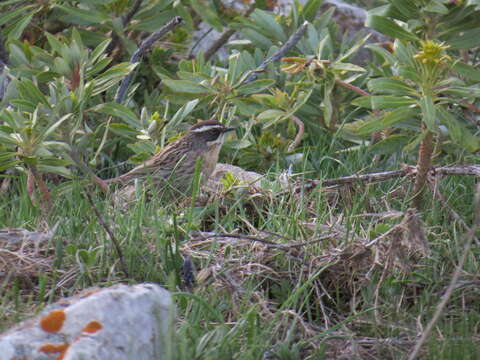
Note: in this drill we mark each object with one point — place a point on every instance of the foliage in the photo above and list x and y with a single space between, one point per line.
416 99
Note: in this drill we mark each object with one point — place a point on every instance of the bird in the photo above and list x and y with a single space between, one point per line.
172 169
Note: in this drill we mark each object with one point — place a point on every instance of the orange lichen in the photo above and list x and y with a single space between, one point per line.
92 327
89 292
52 348
53 322
62 355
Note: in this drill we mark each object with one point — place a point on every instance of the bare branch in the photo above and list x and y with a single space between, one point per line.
125 20
268 243
291 42
465 170
222 40
142 49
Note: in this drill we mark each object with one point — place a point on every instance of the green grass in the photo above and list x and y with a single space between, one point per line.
252 301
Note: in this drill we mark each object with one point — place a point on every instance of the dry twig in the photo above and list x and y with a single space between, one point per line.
142 49
125 20
465 170
225 36
291 42
268 243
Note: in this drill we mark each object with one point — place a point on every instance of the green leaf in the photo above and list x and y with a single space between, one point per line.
123 130
465 40
54 43
383 102
7 160
436 7
468 71
29 91
153 22
83 16
270 114
99 50
382 53
407 8
389 28
15 31
347 67
52 128
59 170
185 86
266 20
246 106
363 101
7 16
5 165
182 113
257 39
389 86
207 13
466 92
255 86
390 145
111 77
310 9
387 102
428 110
458 132
119 111
386 121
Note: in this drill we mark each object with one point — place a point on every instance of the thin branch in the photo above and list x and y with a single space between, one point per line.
269 243
218 43
358 91
368 178
222 40
142 49
291 42
125 20
453 282
114 240
472 170
199 40
354 88
464 170
300 132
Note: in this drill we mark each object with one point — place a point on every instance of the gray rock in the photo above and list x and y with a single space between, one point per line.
121 322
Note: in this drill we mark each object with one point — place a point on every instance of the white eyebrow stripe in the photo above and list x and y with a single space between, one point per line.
207 127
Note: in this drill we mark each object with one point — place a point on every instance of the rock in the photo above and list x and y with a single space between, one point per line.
245 176
121 322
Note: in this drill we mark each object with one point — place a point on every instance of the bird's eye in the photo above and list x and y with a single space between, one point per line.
214 134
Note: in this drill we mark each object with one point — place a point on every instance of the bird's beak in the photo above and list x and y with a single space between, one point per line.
228 129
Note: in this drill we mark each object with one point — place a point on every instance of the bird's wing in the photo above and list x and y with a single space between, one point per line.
162 163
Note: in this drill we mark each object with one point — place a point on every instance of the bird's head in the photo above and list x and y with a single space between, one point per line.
210 133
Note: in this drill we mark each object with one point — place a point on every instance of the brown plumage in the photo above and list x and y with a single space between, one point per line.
173 167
